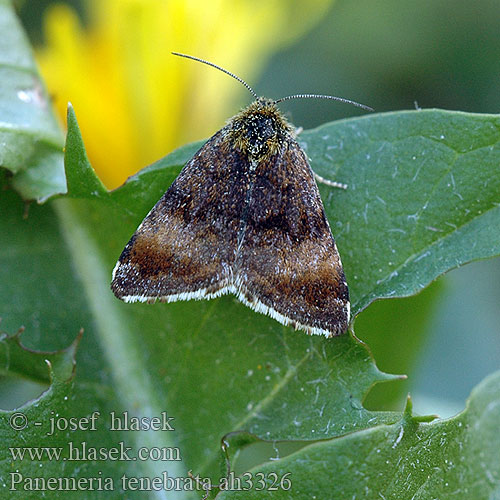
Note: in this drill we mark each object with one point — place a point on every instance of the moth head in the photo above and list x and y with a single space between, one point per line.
260 129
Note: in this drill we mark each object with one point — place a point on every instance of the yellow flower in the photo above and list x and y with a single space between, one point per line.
134 101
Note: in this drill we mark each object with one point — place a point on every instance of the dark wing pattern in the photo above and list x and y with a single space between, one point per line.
288 265
185 248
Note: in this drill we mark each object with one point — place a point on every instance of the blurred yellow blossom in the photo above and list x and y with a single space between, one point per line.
134 101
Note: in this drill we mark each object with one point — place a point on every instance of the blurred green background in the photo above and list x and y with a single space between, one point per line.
393 55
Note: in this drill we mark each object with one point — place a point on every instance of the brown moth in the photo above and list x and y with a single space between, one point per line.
244 216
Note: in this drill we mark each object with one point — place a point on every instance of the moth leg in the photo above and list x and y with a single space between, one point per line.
335 184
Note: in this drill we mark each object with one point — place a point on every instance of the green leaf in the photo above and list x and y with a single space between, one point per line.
422 196
81 178
46 437
57 367
30 138
446 459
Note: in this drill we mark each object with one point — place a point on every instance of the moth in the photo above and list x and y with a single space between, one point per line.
245 217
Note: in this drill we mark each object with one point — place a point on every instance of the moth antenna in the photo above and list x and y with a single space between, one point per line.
321 96
220 69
